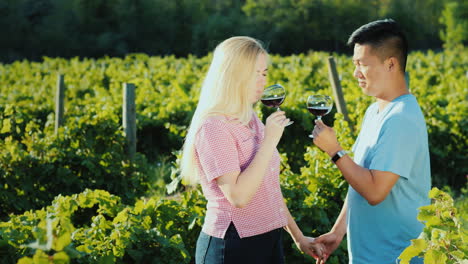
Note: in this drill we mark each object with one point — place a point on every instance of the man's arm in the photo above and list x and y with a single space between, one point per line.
373 185
339 228
332 239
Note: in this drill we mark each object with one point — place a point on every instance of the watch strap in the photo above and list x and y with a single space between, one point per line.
338 155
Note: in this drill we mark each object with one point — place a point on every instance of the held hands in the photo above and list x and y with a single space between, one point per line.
311 247
330 242
274 126
325 138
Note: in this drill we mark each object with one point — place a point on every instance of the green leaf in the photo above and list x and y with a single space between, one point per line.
6 128
61 258
139 207
458 255
417 246
426 212
84 248
434 257
434 192
62 241
40 257
433 221
25 260
146 223
107 260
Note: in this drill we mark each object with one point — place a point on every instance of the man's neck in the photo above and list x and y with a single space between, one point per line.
392 94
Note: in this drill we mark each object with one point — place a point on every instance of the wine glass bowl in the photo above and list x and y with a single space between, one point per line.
319 105
273 96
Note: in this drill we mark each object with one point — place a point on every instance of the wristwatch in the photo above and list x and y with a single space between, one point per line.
338 155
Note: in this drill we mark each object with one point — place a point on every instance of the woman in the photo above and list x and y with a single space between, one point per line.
234 157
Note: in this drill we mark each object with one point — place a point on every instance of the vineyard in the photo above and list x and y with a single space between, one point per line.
75 197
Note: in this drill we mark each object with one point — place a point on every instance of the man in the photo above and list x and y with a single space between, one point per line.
389 176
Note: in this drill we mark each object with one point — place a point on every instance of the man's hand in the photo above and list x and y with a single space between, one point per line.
325 138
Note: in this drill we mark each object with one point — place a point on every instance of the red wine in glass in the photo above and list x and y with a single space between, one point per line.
319 110
273 102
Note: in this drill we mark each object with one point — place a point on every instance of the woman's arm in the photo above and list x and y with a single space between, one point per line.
304 243
239 188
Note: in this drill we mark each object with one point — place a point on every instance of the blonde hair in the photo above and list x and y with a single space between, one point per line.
225 91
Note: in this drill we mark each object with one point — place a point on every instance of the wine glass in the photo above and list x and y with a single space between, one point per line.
273 96
319 105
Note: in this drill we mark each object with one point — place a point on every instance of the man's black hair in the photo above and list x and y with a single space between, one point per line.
385 36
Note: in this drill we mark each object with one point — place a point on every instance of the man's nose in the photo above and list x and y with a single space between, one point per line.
357 73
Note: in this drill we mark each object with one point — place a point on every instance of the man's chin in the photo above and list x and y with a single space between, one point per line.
366 91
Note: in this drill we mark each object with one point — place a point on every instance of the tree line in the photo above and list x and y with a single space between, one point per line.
95 28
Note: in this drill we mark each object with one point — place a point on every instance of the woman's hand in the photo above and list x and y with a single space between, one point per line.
274 126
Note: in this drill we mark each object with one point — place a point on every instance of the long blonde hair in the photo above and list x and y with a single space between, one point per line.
225 91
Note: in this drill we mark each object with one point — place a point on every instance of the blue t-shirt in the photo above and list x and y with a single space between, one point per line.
393 140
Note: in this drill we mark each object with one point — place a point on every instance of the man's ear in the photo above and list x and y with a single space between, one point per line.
392 64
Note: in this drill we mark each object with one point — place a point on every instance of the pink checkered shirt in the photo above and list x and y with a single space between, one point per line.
224 145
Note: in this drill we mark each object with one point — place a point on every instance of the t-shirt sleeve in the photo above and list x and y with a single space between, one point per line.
216 149
397 147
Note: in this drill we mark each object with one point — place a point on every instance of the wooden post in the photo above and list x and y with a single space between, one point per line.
59 102
129 118
337 91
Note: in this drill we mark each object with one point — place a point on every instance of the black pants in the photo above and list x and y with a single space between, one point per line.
264 248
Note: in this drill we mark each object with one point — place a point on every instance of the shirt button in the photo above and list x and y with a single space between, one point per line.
272 169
